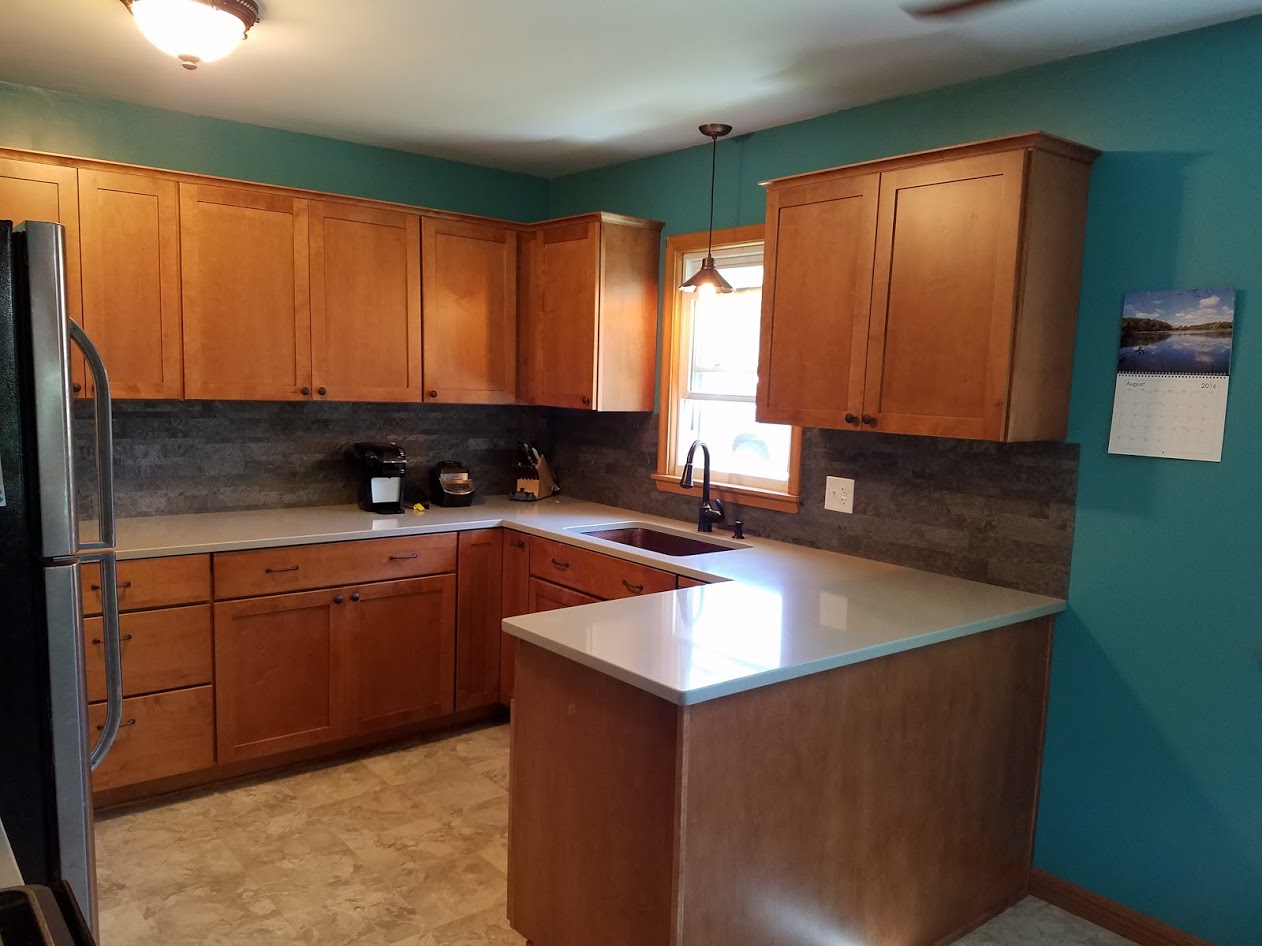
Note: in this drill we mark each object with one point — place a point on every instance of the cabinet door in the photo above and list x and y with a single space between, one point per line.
247 314
470 306
944 290
33 191
479 579
545 596
365 303
131 280
562 267
816 300
516 600
401 652
279 669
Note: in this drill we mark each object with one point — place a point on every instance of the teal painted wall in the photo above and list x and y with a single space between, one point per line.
62 123
1152 785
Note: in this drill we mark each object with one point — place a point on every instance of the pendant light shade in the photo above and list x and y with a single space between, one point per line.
194 31
708 278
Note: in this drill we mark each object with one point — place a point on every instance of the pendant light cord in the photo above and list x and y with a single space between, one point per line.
714 156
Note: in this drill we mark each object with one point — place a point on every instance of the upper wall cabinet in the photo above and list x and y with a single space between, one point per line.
247 312
470 307
933 294
589 313
130 230
365 303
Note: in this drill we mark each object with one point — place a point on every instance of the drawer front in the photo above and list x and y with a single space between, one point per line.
162 650
593 573
163 734
302 567
151 583
686 582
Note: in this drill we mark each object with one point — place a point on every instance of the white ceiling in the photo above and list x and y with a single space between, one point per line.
553 86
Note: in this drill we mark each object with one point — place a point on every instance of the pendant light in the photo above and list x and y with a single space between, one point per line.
708 278
194 31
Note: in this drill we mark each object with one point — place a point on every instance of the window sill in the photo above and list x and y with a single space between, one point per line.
741 495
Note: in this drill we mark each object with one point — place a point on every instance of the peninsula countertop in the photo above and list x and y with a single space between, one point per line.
774 612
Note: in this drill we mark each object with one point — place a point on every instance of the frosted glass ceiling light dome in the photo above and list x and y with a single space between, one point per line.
194 31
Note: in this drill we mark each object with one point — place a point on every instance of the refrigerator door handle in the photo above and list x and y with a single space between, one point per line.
111 624
104 412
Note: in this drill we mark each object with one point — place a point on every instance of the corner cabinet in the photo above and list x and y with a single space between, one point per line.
934 294
589 288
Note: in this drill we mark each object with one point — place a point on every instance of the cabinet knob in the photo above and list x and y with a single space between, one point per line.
355 596
306 392
338 599
869 420
76 387
587 402
322 390
432 394
852 420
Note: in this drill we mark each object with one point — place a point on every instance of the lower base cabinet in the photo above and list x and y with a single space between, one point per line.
545 596
159 735
401 647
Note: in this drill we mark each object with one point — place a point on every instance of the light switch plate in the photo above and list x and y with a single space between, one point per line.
839 494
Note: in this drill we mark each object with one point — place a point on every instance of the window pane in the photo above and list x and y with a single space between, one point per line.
724 350
740 447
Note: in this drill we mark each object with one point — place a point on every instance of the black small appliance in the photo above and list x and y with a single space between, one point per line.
449 484
379 469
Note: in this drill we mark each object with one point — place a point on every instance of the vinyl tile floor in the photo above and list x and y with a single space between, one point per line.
402 847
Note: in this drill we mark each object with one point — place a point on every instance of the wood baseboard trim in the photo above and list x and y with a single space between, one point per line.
1108 914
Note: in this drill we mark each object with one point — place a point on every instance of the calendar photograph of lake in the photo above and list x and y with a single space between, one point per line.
1183 331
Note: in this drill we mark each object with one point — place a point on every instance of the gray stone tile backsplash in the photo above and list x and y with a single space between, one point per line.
174 457
998 513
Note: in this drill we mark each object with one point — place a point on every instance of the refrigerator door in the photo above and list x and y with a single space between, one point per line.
67 691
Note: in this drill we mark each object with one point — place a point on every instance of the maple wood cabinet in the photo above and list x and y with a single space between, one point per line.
130 236
246 294
933 294
515 601
589 313
470 308
479 572
365 303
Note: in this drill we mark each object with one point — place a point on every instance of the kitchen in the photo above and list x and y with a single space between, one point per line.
1145 768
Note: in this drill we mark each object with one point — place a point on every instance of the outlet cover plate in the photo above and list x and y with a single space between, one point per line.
839 494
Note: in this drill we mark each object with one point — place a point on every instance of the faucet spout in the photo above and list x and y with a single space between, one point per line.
711 510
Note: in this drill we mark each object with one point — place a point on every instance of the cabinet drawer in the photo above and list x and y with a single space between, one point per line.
593 573
151 583
163 734
299 567
686 582
162 650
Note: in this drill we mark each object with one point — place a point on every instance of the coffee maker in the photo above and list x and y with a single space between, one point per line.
379 471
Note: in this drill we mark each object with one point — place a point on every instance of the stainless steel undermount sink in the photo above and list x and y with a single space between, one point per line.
651 538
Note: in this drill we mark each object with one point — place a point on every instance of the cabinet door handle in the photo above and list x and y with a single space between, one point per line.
322 390
338 599
432 394
121 585
126 722
402 558
634 589
587 402
77 387
306 391
274 571
96 641
852 420
355 596
869 420
561 565
519 543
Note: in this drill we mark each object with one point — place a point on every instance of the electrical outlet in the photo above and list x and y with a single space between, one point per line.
839 494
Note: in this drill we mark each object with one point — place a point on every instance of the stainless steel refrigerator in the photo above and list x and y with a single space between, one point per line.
46 748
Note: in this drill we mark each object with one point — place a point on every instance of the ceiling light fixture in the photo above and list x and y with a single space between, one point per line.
708 278
194 31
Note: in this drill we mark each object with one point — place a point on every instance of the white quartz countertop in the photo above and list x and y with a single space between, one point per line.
776 611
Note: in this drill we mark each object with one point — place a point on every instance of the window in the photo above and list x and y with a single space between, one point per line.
710 377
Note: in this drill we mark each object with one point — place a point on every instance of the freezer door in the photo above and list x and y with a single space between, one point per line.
67 694
45 279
